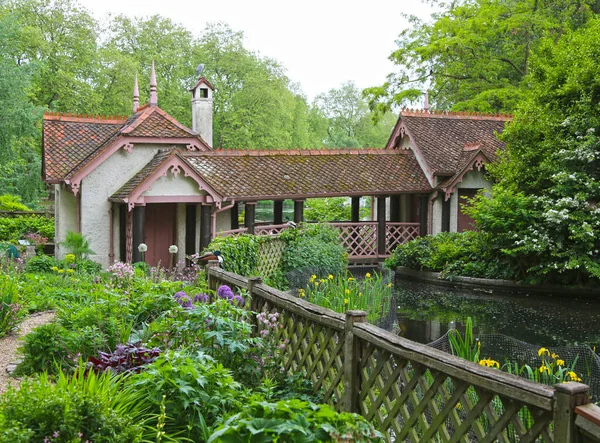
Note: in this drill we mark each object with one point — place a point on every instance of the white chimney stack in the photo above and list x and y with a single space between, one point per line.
202 108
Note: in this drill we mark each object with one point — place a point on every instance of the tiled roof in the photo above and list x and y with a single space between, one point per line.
465 160
70 140
442 137
271 174
160 157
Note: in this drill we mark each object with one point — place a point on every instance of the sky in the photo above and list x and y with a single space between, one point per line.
321 43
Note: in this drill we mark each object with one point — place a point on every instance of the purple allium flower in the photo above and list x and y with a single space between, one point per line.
201 298
238 300
225 292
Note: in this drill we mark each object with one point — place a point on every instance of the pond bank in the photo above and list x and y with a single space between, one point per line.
492 285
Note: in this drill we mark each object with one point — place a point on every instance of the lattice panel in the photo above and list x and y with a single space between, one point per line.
359 240
314 349
270 255
397 234
232 232
409 402
270 229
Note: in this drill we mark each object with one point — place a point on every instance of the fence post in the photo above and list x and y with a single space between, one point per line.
253 301
567 397
352 362
212 280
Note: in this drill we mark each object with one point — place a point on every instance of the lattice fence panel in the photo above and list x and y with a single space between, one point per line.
233 232
312 348
270 229
270 255
410 402
360 240
397 234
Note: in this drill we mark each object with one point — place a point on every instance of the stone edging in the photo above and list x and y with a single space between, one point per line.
493 285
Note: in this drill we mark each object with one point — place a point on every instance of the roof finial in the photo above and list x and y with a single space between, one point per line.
426 104
136 95
153 95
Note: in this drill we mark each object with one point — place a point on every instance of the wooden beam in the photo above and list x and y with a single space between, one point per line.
250 216
423 215
395 208
278 212
235 216
446 215
205 226
355 210
298 211
139 231
381 237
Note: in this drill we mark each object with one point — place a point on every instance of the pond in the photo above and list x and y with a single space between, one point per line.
425 312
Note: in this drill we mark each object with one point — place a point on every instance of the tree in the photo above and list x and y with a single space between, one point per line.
543 214
475 54
349 122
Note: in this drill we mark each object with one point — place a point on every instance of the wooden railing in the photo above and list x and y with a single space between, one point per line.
360 239
588 423
409 391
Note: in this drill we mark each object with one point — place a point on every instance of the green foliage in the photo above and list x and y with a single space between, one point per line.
240 252
476 55
12 203
294 420
327 209
11 308
466 346
196 390
15 228
314 245
41 263
343 292
68 410
77 244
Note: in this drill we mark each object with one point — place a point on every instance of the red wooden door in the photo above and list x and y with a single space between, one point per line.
160 233
465 222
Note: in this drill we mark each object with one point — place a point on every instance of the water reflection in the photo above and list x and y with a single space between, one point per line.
424 313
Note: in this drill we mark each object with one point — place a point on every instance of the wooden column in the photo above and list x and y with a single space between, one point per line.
395 208
355 209
190 229
567 397
205 226
381 235
139 231
129 236
298 211
423 215
352 357
445 215
278 212
250 216
235 216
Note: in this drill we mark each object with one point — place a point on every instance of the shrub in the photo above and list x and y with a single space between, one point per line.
240 253
195 391
77 244
15 228
294 420
41 263
12 203
71 410
11 310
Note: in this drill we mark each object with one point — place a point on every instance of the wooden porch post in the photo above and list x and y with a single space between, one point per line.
381 234
128 236
205 226
278 212
567 397
139 231
395 208
250 216
355 210
423 215
352 356
235 216
298 211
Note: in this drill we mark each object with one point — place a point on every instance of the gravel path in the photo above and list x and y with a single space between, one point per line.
9 345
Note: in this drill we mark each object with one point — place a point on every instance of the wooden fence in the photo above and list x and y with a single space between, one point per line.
409 391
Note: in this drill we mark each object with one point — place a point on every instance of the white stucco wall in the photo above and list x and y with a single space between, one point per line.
173 185
472 180
224 221
65 218
98 186
436 219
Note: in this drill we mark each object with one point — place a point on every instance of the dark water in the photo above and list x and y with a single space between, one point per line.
425 312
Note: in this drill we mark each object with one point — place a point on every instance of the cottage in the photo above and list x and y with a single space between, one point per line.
147 178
